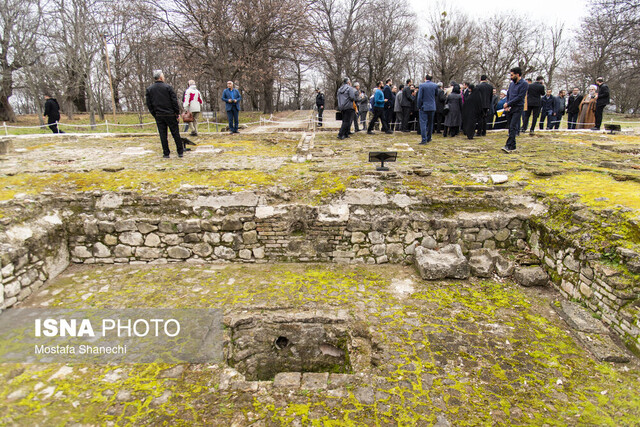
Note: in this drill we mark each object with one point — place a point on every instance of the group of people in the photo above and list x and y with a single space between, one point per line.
162 103
470 108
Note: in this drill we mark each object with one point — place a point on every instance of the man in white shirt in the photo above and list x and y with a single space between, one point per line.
192 102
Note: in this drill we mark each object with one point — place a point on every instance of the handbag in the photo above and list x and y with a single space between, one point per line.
339 115
186 116
446 109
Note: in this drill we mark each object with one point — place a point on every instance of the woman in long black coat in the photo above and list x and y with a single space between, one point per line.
471 110
453 119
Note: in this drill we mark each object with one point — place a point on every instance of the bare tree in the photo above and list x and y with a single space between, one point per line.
451 44
19 25
334 35
382 50
554 51
497 47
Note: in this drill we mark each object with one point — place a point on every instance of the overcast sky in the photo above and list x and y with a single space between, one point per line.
568 11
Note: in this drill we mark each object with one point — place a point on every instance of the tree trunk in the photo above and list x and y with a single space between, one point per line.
6 111
268 96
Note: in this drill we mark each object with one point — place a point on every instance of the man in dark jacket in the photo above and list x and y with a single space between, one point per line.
573 108
52 111
162 103
319 105
346 96
559 108
547 104
389 101
485 90
408 98
602 101
534 94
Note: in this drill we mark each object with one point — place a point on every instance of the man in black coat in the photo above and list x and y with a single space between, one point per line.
390 100
52 111
602 101
485 91
162 103
320 105
408 98
534 94
573 108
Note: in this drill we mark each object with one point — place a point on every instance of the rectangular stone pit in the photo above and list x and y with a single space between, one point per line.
263 345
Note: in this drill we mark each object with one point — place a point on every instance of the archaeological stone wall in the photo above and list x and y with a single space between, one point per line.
360 227
581 276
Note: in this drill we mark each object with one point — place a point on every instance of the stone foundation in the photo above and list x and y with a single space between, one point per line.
361 227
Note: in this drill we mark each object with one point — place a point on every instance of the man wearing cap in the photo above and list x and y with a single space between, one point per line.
163 106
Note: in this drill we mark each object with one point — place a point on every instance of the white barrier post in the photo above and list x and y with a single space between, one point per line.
106 123
6 131
208 129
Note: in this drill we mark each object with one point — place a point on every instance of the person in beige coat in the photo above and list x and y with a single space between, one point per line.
192 102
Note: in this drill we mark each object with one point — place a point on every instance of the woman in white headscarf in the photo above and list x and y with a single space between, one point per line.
587 113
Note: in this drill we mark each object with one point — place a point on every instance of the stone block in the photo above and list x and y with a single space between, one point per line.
258 253
224 252
106 226
152 240
531 276
81 252
203 250
429 242
483 235
191 226
123 251
482 262
376 238
250 237
11 289
101 251
125 225
449 262
110 240
172 239
231 225
314 381
287 380
245 254
132 238
213 238
358 237
146 228
148 253
502 235
378 250
192 238
178 252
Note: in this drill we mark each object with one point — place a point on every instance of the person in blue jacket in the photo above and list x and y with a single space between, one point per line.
231 98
